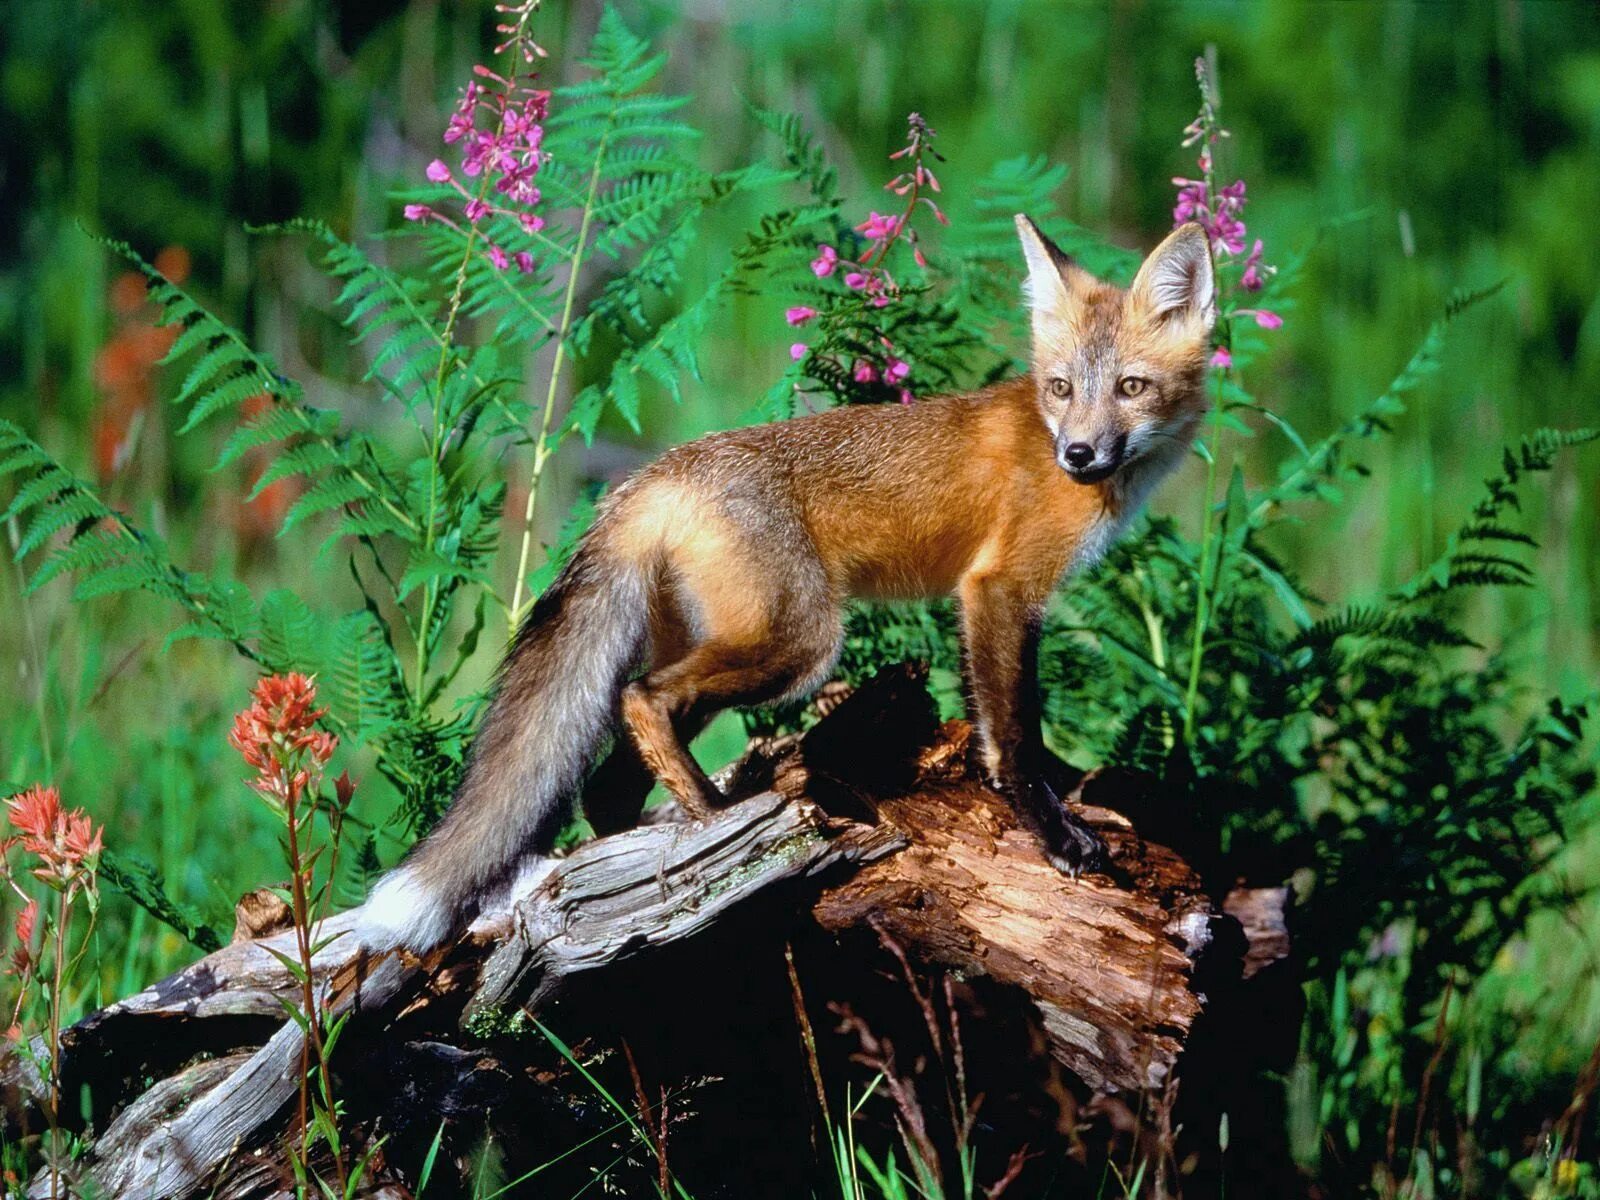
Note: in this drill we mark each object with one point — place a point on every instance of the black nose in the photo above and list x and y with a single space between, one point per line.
1078 455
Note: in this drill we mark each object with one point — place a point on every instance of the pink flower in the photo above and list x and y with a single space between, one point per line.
797 351
877 226
1221 359
865 372
418 212
505 148
824 263
896 370
524 262
855 281
1251 280
1263 318
498 257
905 396
799 314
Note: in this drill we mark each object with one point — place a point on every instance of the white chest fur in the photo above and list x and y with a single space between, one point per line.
1133 487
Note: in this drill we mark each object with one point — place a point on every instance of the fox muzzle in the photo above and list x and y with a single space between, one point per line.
1090 461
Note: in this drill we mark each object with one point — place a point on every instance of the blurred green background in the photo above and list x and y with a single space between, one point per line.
1397 151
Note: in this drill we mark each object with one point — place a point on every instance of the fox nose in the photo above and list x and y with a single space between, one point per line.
1077 455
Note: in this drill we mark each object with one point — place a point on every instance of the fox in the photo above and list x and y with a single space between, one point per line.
717 576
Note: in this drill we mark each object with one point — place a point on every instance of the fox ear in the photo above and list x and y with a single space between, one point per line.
1052 275
1177 279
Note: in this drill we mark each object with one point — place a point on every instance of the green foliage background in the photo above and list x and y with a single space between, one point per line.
1396 152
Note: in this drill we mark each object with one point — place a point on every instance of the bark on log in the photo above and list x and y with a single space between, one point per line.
872 819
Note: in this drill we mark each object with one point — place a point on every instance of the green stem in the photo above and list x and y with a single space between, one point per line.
541 451
1205 577
55 1045
430 589
300 896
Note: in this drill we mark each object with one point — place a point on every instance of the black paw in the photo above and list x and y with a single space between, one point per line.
1070 845
1074 848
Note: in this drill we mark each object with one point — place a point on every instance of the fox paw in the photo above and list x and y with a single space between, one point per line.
1070 845
1075 848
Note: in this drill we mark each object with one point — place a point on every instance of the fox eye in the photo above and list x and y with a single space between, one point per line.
1060 387
1131 386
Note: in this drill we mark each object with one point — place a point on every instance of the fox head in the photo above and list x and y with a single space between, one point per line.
1120 374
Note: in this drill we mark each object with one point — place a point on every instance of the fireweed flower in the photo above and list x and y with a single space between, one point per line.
499 133
867 275
1220 211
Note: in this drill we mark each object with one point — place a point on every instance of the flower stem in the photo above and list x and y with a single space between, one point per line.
430 589
302 929
541 450
62 913
1206 576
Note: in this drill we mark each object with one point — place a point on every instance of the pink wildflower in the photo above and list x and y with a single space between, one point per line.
824 263
855 281
497 256
1251 280
797 351
865 372
878 226
896 370
799 314
524 261
500 132
1221 359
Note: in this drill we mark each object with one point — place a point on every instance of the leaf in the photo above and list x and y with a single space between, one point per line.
144 884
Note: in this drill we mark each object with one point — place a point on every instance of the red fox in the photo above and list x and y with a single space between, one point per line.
723 567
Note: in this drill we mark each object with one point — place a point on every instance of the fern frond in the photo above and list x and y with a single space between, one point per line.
1462 565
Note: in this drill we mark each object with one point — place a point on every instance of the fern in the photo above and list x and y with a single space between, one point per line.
1466 561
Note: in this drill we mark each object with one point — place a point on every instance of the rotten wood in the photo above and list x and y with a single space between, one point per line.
873 819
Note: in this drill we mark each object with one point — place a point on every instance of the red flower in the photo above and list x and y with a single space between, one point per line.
35 814
277 735
67 844
22 952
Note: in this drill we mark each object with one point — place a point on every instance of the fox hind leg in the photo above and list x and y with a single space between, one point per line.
713 676
614 795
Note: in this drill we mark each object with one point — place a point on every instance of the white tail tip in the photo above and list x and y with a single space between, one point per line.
402 913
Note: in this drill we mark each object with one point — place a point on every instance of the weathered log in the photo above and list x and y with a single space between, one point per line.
872 819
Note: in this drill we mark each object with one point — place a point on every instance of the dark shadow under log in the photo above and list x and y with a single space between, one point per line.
871 821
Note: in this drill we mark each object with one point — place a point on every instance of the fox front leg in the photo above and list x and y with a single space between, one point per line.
1000 637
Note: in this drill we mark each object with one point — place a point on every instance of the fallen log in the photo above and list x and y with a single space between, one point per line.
873 819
